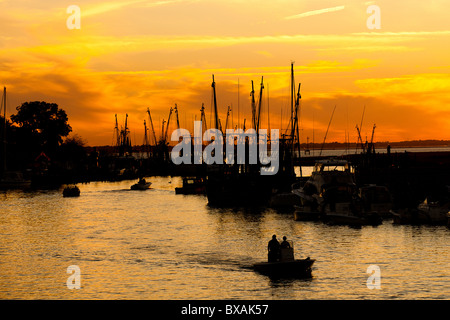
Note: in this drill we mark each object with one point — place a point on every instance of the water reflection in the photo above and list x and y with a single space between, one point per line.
154 244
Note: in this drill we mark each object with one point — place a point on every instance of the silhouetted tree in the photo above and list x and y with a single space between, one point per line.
42 126
72 152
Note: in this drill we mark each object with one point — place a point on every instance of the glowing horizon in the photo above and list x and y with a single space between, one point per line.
132 55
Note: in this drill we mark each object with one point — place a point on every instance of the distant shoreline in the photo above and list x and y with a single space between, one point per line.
344 146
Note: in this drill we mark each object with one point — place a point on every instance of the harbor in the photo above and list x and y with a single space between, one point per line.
225 159
131 245
137 225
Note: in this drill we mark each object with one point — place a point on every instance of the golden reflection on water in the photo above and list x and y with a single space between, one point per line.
154 244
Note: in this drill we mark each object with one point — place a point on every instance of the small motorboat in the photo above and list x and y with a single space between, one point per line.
436 211
141 185
409 216
300 268
71 191
286 266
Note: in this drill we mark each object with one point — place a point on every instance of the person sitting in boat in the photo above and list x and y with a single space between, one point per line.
285 243
274 249
142 181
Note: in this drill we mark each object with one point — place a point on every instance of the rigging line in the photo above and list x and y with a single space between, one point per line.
326 133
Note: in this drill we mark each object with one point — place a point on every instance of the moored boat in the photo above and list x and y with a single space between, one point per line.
409 216
327 175
427 213
192 186
436 211
343 206
331 194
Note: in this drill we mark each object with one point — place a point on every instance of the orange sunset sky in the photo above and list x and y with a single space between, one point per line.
129 55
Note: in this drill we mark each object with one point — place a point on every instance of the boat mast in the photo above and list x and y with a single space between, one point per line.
371 146
216 117
162 131
360 129
259 106
239 119
203 118
326 133
146 143
126 138
268 114
252 94
4 130
292 103
297 108
228 114
178 120
359 139
168 123
151 124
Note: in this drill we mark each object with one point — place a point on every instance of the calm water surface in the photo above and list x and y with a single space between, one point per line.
154 244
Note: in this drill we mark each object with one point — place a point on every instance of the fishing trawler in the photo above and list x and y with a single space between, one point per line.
243 182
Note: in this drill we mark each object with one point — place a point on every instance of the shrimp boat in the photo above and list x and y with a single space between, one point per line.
287 266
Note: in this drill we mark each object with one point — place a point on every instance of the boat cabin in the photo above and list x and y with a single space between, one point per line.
329 173
324 166
287 254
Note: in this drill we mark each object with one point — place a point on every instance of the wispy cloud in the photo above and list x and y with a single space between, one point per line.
405 33
113 6
315 12
109 6
165 2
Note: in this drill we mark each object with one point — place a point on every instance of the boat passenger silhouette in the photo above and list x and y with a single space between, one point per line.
274 249
285 243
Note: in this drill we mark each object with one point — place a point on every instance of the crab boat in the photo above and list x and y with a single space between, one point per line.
287 266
